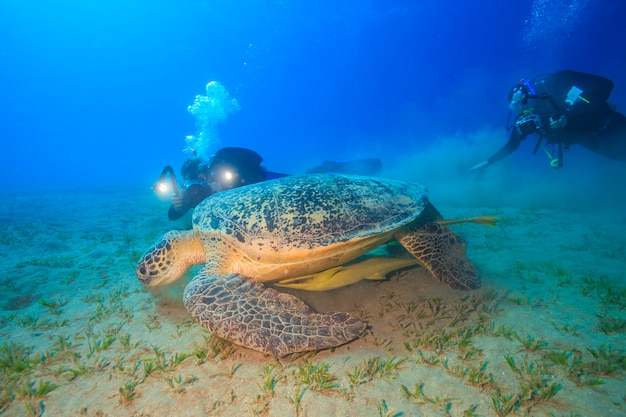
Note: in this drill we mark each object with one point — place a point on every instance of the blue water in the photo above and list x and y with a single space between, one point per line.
96 93
94 99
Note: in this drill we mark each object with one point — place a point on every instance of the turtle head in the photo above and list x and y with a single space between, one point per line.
170 258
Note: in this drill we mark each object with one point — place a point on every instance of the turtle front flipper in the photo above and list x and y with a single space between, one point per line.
247 313
442 252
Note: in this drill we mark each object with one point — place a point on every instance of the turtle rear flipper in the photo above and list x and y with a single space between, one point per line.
442 252
247 313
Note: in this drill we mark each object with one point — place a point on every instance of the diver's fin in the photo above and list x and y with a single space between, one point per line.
374 268
361 166
484 220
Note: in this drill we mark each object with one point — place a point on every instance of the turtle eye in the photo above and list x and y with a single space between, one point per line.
143 274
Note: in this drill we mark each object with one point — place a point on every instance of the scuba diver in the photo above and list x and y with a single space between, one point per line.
231 168
228 168
564 108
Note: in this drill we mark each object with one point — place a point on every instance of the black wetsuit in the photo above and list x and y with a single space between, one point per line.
591 122
192 196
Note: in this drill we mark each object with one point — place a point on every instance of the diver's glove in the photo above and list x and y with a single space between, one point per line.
558 121
479 166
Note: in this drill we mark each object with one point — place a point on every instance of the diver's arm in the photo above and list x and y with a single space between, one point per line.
511 146
174 214
191 197
180 204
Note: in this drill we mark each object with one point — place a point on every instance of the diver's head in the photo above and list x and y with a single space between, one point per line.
192 168
518 96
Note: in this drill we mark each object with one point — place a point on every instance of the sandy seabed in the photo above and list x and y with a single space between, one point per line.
80 336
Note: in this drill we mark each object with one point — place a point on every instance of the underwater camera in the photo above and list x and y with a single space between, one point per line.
166 183
193 187
528 123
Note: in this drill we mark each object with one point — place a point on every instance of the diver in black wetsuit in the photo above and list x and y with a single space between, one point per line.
565 108
232 168
228 168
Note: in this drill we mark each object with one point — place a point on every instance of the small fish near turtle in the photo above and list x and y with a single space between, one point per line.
293 231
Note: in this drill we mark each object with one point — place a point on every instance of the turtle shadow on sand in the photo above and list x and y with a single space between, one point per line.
302 230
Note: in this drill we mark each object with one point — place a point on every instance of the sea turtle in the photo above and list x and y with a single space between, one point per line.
291 227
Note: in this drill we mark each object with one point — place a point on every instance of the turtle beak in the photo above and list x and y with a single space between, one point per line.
143 274
170 258
153 268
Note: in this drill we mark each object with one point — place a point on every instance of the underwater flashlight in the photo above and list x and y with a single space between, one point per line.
163 186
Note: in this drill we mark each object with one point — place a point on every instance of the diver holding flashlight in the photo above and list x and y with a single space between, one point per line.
231 168
228 168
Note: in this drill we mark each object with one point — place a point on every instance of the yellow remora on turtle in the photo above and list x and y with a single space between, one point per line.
484 220
374 268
